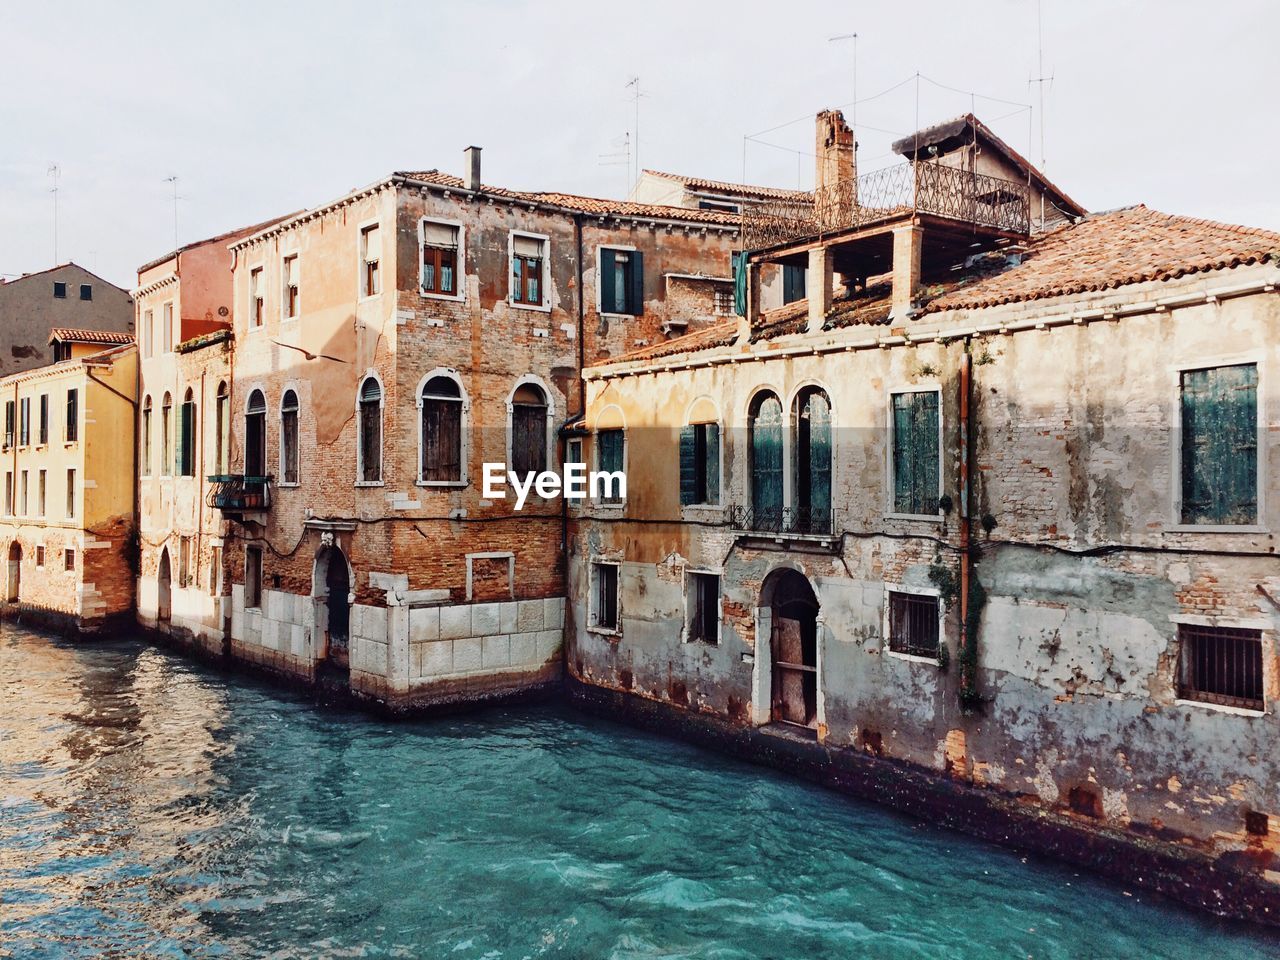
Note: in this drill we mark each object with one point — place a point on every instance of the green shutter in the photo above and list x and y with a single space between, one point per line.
608 265
688 465
903 465
766 465
713 462
739 261
635 288
1220 445
915 453
793 287
819 411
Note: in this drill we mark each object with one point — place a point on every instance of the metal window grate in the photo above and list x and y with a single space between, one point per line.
913 624
1221 665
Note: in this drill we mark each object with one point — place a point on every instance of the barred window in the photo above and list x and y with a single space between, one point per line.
604 605
1221 665
441 406
913 624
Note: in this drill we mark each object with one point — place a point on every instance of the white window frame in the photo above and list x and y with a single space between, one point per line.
625 248
887 614
297 393
285 257
1263 625
382 406
39 554
362 294
592 626
543 281
250 326
686 632
532 379
931 386
619 505
460 269
464 431
709 510
1258 359
149 333
171 341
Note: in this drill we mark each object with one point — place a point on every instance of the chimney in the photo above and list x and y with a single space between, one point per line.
835 186
473 167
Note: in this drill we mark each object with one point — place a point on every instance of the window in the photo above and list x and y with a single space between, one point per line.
61 351
222 428
73 415
71 494
255 435
370 425
148 333
42 488
764 424
913 624
10 416
23 490
68 559
39 556
811 442
24 421
916 452
1221 665
528 430
700 463
187 436
289 437
44 419
573 450
722 301
1220 445
604 596
166 435
370 255
252 577
60 289
8 493
166 326
793 283
610 456
440 249
146 436
621 281
527 258
215 572
289 293
257 295
704 607
441 441
86 291
184 561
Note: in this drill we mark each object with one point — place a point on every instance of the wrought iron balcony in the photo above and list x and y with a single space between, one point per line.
785 522
238 493
890 193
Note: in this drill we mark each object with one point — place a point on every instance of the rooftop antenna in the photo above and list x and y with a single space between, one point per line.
853 107
619 159
174 180
1041 80
635 130
56 172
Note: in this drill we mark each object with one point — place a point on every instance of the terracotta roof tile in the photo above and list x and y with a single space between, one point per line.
734 189
89 336
719 335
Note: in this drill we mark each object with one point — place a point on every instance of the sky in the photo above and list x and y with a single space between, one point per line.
263 108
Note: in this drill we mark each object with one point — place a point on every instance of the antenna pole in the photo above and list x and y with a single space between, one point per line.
635 96
853 108
174 180
1041 80
56 172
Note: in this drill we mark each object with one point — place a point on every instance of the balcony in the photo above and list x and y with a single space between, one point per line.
905 189
237 494
788 524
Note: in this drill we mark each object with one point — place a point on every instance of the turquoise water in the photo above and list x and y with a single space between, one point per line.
153 807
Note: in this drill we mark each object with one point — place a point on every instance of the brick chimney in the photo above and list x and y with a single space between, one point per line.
836 174
473 168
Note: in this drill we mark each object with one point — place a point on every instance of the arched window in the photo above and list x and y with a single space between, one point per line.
166 436
441 442
528 429
146 436
369 423
289 437
764 423
187 436
811 443
222 428
255 435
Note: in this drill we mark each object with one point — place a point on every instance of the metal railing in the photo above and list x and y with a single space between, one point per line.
239 493
905 188
787 521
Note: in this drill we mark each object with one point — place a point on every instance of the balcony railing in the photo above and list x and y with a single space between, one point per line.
237 493
905 188
788 521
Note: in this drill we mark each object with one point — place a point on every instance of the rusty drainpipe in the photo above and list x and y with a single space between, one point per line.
966 378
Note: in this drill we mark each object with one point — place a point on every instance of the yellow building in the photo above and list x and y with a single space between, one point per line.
67 513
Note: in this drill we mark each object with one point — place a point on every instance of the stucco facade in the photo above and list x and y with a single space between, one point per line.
64 296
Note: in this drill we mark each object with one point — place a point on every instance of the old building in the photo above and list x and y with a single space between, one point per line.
993 501
387 345
66 296
67 511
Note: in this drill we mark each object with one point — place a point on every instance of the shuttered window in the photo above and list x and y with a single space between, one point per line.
812 444
766 462
73 415
187 437
370 431
439 258
793 286
289 437
24 421
10 417
255 435
610 454
441 403
621 281
222 428
700 463
371 260
146 437
1220 445
289 295
166 436
526 270
528 430
915 453
44 418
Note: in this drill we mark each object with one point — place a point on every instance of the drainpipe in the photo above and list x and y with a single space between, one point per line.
966 378
579 303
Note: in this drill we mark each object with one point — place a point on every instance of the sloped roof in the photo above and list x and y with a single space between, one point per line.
733 189
74 335
717 335
222 237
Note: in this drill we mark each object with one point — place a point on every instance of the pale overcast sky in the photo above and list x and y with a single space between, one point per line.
262 108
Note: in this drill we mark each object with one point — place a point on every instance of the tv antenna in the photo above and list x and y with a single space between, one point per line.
853 107
634 83
55 172
620 158
174 180
1041 80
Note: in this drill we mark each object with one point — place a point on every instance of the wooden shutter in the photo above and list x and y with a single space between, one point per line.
442 440
713 462
1220 445
73 415
528 438
793 287
608 264
370 440
766 464
688 465
819 416
186 458
635 285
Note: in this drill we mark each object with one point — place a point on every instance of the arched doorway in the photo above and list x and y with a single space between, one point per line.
793 645
14 580
164 588
331 588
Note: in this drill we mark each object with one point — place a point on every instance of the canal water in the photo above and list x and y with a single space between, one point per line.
150 806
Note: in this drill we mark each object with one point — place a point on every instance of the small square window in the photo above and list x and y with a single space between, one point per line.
86 291
252 578
60 289
69 559
1221 665
704 608
913 624
604 596
40 556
